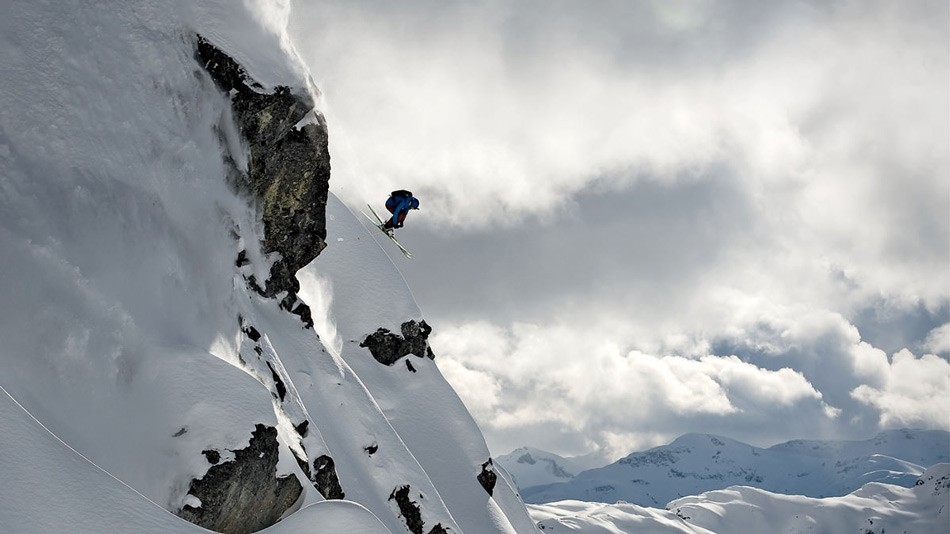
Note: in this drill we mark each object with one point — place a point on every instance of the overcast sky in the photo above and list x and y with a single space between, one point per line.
646 218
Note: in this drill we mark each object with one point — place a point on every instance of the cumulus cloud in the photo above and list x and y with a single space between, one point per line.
938 340
678 215
498 111
828 122
573 389
914 394
573 383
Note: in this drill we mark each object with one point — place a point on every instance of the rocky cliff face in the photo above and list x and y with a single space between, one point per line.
287 177
288 170
243 495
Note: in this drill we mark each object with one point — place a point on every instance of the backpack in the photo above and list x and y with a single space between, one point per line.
401 193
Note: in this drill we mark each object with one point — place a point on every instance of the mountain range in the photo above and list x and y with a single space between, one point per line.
872 509
696 463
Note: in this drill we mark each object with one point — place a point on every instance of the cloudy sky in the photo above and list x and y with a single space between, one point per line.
645 218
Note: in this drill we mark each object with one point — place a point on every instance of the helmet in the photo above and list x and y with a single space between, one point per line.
414 203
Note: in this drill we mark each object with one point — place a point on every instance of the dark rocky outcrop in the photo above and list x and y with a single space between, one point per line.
212 455
252 333
244 494
278 383
242 260
410 512
325 478
288 169
408 508
388 348
287 178
295 306
488 477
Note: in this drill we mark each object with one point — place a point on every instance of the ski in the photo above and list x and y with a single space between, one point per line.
378 223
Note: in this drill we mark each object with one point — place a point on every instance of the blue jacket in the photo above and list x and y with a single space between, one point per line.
400 206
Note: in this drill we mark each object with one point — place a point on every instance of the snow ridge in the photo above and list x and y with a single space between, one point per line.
695 463
873 509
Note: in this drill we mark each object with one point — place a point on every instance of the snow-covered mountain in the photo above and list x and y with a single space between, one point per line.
529 466
695 463
873 509
175 353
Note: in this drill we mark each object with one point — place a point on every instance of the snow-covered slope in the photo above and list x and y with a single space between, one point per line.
137 356
529 466
695 463
873 509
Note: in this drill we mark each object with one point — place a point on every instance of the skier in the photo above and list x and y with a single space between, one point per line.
399 203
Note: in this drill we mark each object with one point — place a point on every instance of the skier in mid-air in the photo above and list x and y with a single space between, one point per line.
399 203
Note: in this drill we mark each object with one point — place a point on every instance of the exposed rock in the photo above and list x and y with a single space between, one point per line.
388 348
526 458
408 508
288 166
245 494
303 311
242 259
325 479
213 456
302 428
297 307
371 450
417 334
323 476
226 72
252 333
411 513
181 432
278 383
488 477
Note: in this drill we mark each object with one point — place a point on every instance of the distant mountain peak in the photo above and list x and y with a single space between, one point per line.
695 463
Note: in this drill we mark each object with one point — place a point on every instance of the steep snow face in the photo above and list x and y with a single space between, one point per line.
129 329
356 288
873 509
115 229
699 462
